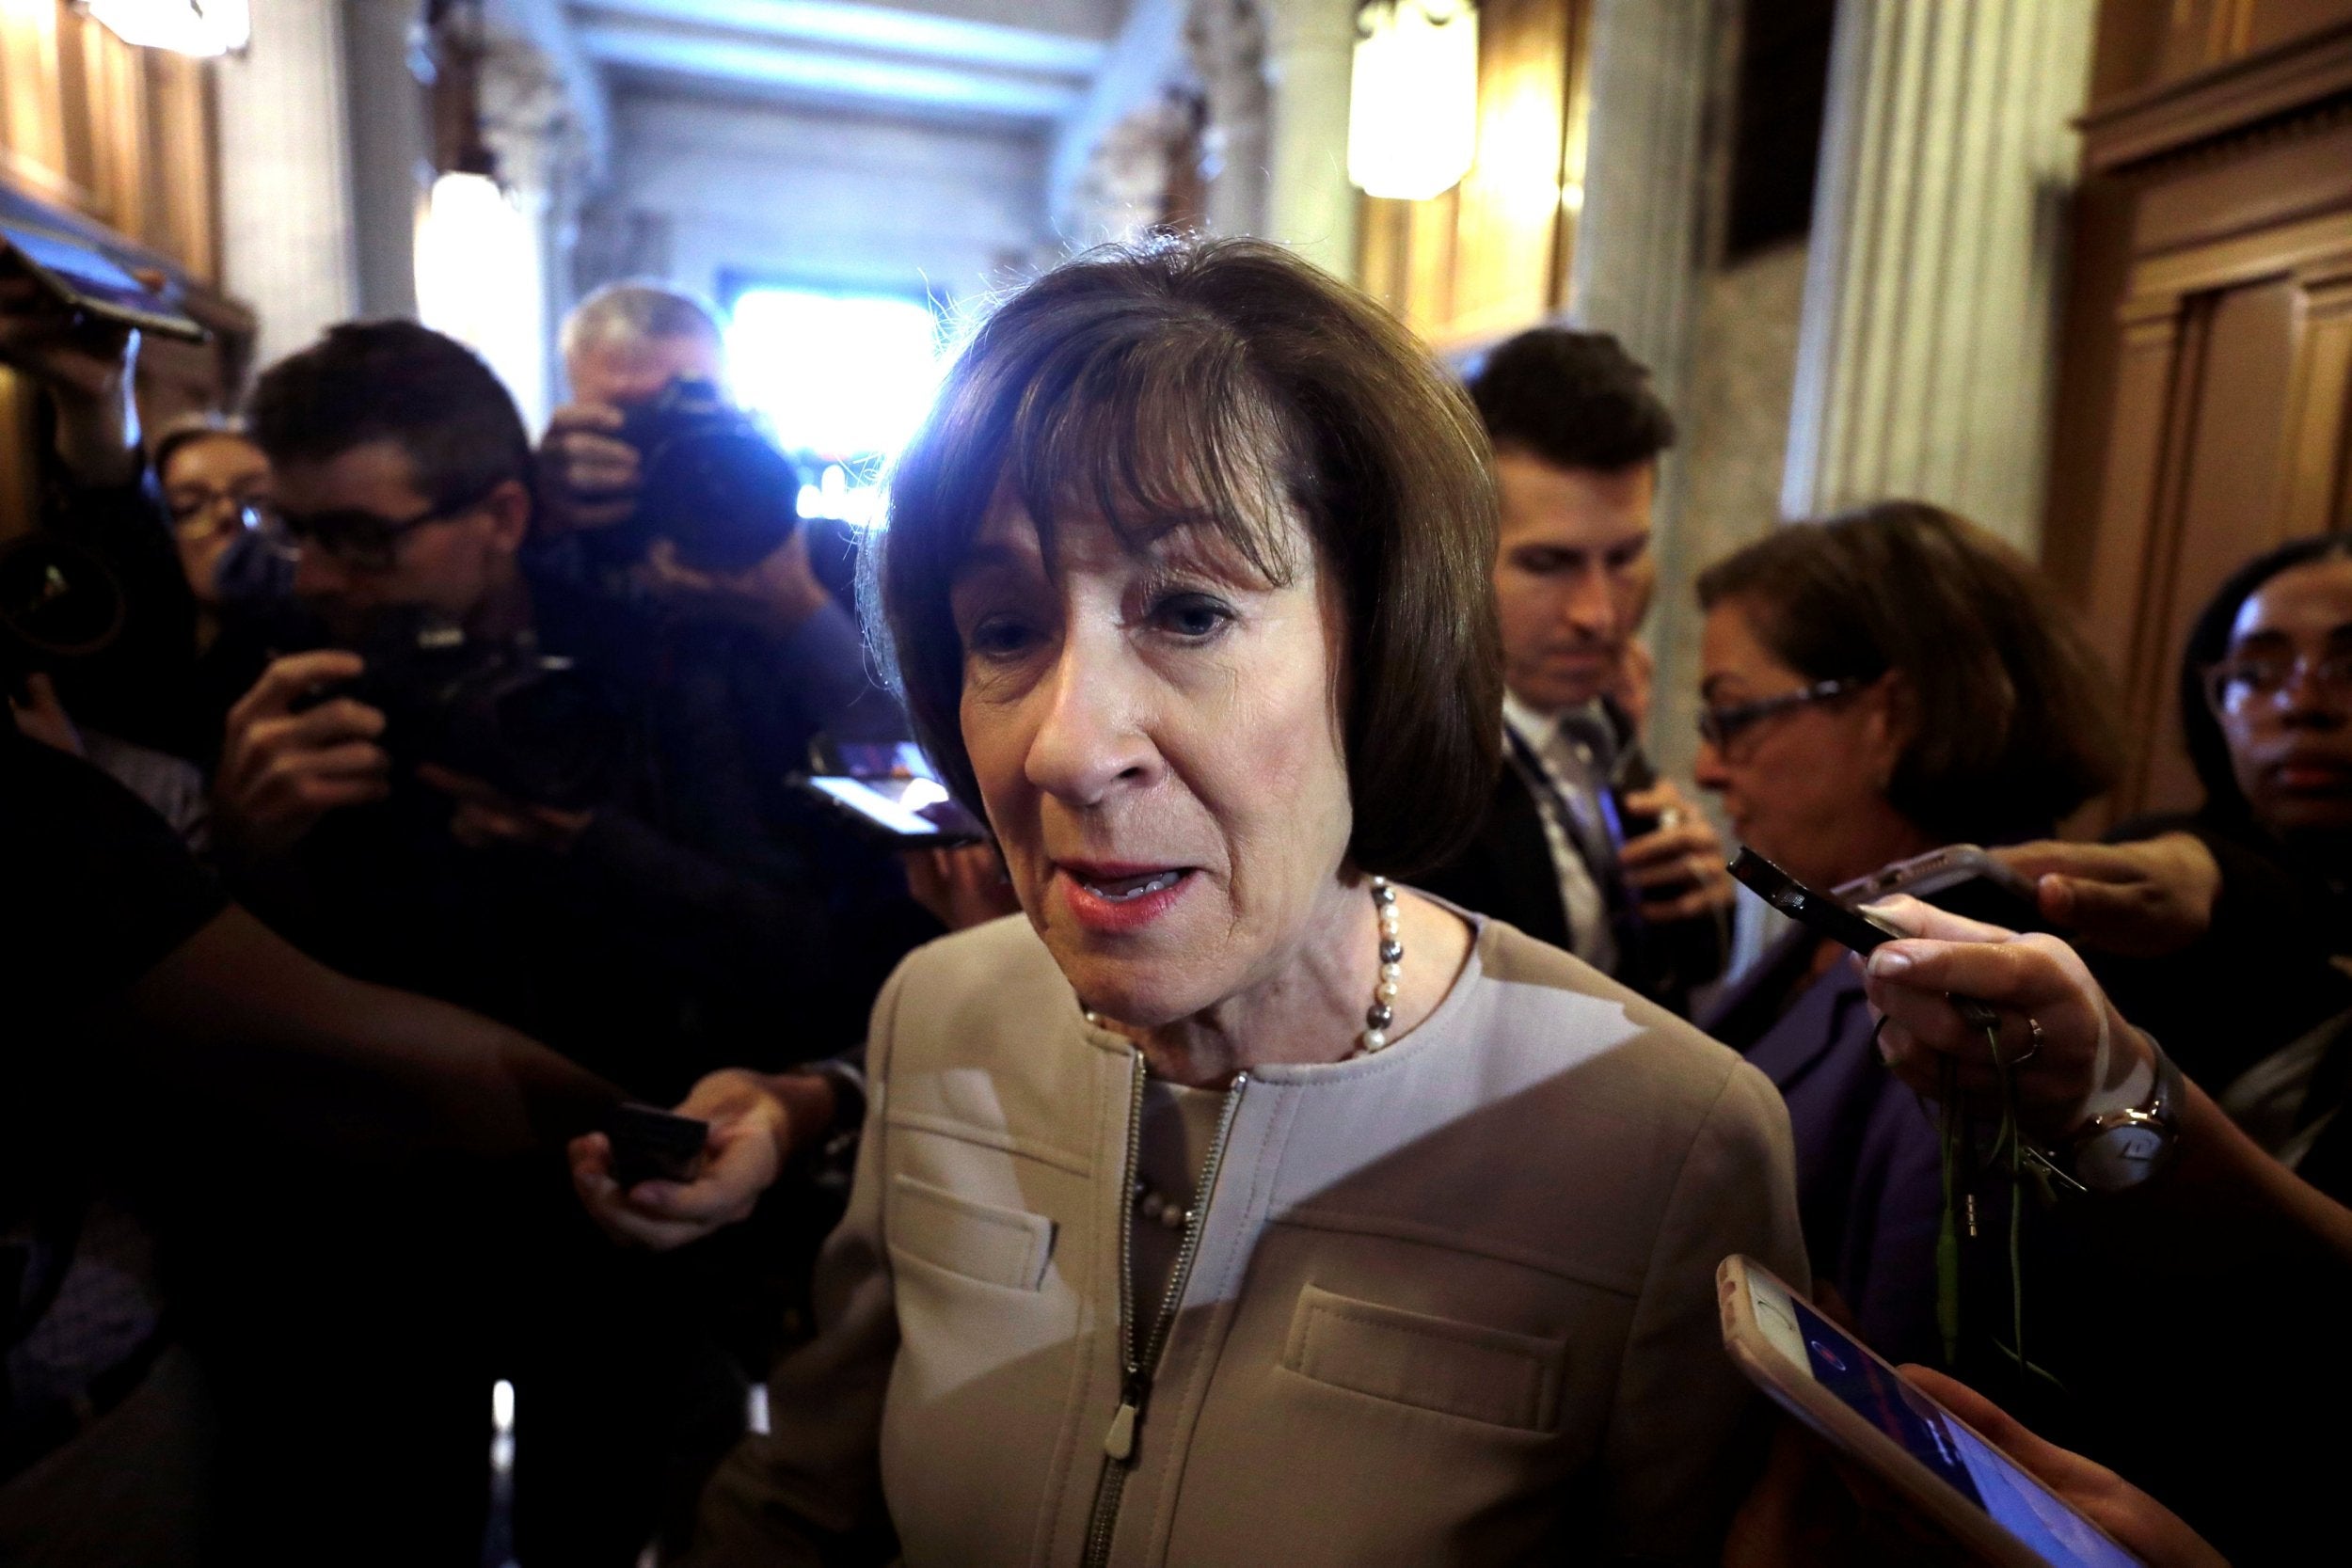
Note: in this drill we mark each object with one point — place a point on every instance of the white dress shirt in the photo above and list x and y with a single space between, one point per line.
1571 781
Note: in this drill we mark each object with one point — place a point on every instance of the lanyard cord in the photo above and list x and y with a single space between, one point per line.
2008 1151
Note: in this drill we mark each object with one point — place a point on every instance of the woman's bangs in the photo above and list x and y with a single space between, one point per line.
1145 448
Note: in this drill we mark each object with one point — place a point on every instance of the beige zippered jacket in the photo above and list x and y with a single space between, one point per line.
1452 1303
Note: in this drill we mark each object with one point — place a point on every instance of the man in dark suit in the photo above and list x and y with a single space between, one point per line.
1583 846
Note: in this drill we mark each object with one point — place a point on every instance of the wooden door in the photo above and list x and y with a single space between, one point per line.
2207 399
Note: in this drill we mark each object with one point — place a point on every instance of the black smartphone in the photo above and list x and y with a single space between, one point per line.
1822 915
84 279
897 813
650 1144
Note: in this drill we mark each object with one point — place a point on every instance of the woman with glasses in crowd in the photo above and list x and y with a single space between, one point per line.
2227 927
1239 1203
1877 686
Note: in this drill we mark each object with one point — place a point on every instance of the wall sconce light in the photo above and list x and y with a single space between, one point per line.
200 27
1412 112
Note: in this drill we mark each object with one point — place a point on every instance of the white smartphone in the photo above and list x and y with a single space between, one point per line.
1864 1408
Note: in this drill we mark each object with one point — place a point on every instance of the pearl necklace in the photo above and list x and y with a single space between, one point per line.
1156 1208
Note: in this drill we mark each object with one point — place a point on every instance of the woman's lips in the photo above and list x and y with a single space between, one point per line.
1120 897
2313 775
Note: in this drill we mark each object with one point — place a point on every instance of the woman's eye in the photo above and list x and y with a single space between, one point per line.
998 637
1195 616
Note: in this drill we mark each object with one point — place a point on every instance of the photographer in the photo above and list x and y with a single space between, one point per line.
666 895
650 469
505 791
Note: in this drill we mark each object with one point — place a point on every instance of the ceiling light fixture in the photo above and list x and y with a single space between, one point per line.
198 27
1412 112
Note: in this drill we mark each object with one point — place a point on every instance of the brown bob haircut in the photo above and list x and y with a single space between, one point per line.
2012 725
1215 383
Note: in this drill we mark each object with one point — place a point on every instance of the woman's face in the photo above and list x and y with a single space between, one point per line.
1803 786
2288 719
1156 738
207 485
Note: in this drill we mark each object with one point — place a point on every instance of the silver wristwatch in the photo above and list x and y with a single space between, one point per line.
2118 1150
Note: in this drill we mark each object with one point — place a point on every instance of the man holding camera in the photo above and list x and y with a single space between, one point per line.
650 912
668 898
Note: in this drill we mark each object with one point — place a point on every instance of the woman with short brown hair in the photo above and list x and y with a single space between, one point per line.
1878 684
1239 1204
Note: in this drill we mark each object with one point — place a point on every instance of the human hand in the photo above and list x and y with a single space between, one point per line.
1811 1508
281 771
961 888
2138 1523
775 594
86 366
2086 1060
589 475
751 1137
2143 900
40 716
1676 870
489 818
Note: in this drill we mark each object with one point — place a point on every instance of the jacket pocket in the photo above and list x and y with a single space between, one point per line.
978 1241
1454 1369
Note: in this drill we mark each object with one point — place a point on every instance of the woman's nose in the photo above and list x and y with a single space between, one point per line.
1090 737
1708 771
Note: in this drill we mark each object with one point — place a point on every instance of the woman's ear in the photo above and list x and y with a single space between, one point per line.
1890 723
509 507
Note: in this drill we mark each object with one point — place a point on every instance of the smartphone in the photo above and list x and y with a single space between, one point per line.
1864 1408
1822 915
1960 878
1819 912
650 1144
897 813
872 759
85 279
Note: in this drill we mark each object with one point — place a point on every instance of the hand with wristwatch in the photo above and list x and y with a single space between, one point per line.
2099 1104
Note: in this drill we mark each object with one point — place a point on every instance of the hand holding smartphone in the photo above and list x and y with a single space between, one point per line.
650 1144
1870 1413
1824 915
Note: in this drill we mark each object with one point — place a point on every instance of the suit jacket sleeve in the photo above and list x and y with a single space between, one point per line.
809 1493
1685 1428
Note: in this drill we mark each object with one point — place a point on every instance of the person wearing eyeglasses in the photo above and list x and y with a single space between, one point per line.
1583 845
657 923
2228 925
1877 686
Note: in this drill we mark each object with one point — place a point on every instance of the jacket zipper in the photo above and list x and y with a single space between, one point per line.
1139 1361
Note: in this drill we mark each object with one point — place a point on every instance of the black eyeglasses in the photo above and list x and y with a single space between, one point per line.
358 538
1720 726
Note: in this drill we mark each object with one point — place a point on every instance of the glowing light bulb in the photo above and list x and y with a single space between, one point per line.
1412 112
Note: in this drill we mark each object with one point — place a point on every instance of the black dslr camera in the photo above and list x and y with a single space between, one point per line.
526 721
713 483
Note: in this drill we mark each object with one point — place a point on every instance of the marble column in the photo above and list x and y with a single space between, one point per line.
1927 357
1310 57
288 240
1638 234
390 145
